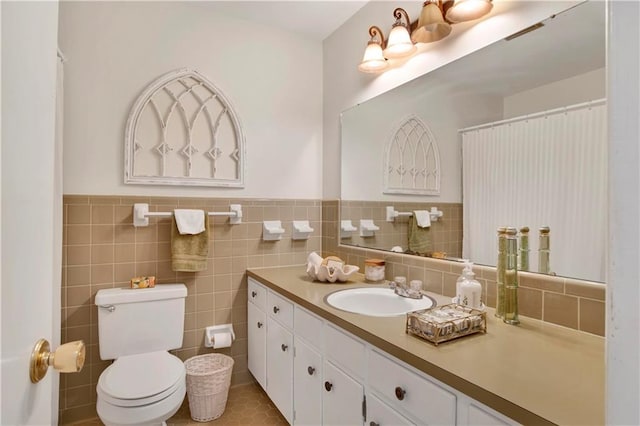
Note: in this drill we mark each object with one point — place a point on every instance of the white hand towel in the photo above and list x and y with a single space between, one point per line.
189 222
423 218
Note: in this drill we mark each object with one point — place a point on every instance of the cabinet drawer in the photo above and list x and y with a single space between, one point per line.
308 326
345 350
408 392
280 309
257 293
380 414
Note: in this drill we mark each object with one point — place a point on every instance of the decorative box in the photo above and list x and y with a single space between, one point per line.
446 322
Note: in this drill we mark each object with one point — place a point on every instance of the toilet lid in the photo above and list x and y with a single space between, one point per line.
149 377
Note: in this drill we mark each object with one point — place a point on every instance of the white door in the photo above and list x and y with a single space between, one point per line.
30 215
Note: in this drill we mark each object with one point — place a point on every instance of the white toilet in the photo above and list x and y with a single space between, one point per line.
145 385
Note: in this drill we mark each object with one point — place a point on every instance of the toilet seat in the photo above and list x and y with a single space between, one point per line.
137 380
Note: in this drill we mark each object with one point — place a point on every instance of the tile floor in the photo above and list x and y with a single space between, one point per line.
246 405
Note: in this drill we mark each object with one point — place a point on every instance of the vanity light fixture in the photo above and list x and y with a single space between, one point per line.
433 24
373 59
399 43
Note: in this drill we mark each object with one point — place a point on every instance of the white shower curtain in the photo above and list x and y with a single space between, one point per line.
547 169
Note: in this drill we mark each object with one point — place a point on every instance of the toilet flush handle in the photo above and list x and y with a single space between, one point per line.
109 308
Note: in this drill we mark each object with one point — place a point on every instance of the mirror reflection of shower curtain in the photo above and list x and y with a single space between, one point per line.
546 169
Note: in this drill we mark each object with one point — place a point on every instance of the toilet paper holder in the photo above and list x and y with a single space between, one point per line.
225 334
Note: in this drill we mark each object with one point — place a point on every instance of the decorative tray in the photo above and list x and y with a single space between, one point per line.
446 322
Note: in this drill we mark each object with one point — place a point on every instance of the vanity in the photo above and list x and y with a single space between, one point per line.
321 365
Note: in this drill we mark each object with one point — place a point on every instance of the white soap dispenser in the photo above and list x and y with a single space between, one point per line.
470 289
461 278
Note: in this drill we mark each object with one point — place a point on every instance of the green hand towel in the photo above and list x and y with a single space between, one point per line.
419 238
189 252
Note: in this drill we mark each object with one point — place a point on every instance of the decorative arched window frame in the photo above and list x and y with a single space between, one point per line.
412 131
132 145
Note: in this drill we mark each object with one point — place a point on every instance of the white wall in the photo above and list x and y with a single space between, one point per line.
345 86
272 78
585 87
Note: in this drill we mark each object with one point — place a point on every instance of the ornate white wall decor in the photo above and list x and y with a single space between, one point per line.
183 131
412 161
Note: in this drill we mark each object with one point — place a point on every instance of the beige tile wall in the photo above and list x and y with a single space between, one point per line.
102 249
445 234
564 301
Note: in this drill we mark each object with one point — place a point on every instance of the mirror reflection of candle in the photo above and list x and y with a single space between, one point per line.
511 279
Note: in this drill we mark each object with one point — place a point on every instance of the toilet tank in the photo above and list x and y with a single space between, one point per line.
134 321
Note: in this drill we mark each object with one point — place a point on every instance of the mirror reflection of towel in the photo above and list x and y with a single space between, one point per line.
189 252
419 238
423 217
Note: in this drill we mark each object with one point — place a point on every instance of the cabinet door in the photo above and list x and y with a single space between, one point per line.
380 414
257 340
280 371
342 398
307 385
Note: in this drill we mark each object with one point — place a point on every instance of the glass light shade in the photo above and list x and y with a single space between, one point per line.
468 10
399 43
373 60
431 25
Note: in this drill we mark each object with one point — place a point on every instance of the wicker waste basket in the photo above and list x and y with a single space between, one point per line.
208 380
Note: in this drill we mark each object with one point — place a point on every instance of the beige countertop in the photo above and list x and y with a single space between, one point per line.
535 373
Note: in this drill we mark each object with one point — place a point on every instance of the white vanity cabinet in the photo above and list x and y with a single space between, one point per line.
317 373
270 345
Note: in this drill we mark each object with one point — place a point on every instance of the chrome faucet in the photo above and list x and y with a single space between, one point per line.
401 289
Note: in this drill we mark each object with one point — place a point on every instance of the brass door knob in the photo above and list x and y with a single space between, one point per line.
68 358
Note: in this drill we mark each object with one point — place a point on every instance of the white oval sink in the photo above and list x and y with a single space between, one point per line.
376 302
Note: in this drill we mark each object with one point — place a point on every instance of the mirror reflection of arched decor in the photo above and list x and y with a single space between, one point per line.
412 161
183 131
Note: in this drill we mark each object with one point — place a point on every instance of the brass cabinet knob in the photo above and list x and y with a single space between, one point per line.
400 393
68 358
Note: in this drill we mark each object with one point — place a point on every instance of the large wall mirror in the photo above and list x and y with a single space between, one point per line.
511 135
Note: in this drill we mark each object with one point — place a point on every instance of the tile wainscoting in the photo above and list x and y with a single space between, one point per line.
445 234
102 249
